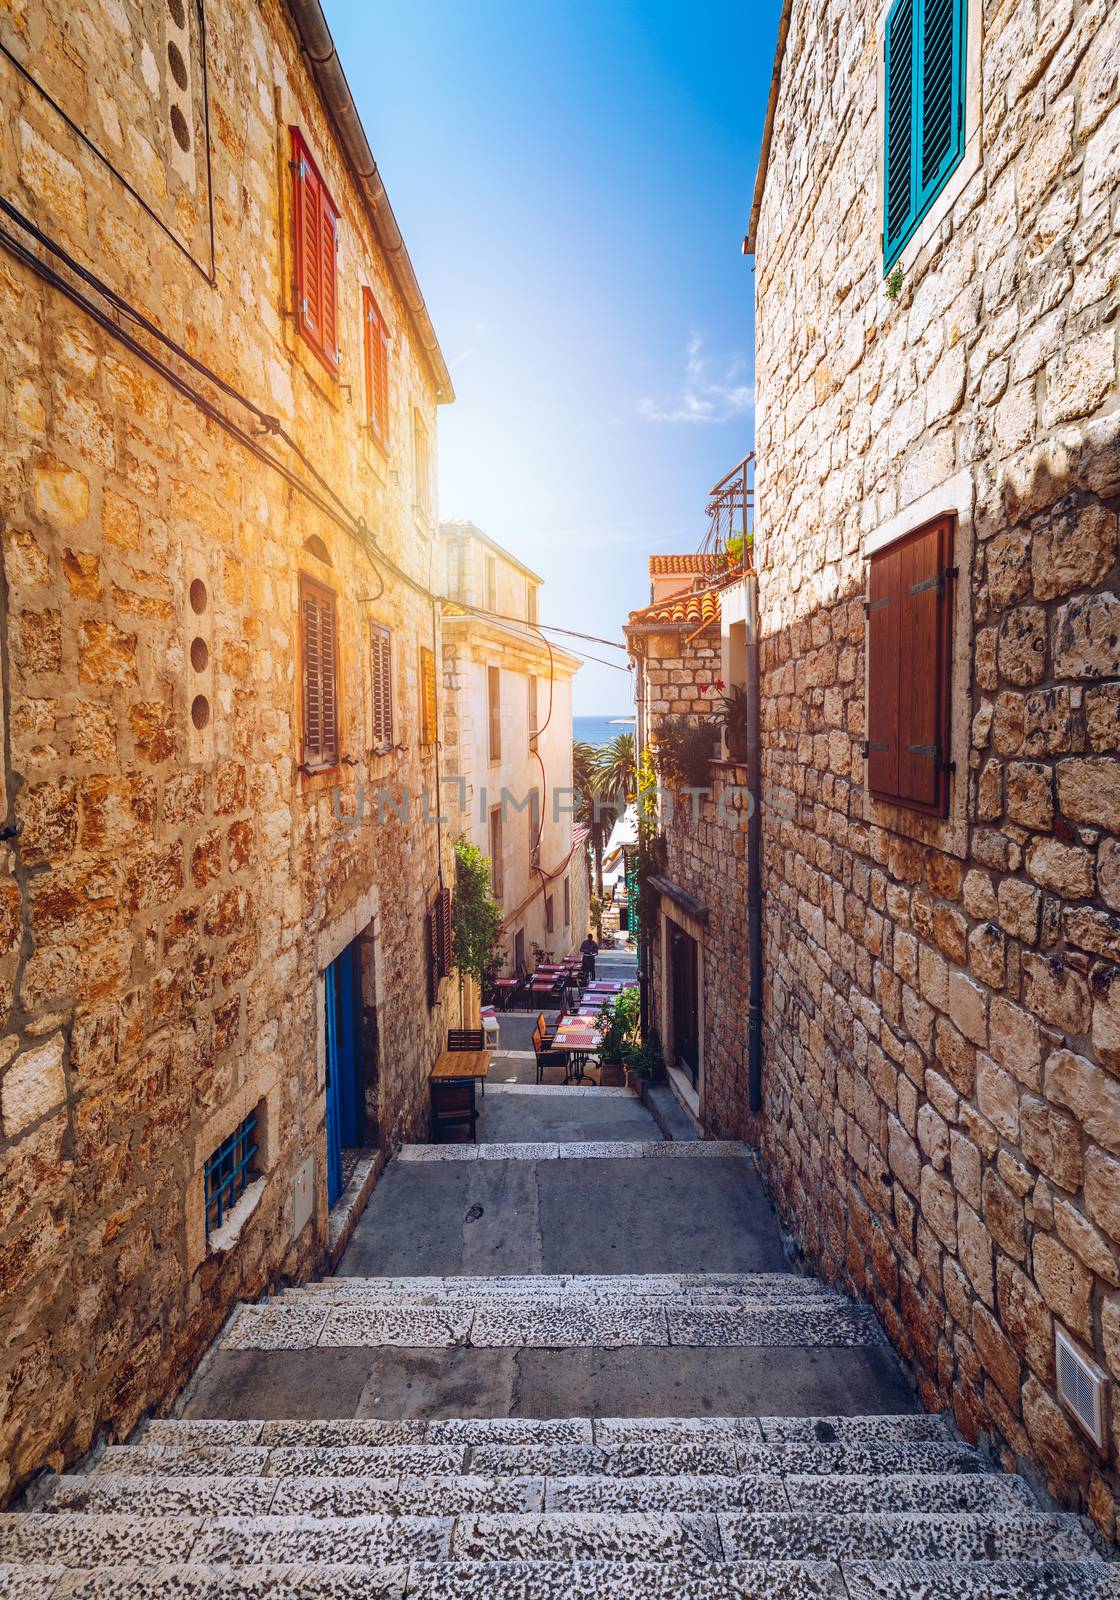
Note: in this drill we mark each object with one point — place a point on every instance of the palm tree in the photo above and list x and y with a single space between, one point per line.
618 770
585 782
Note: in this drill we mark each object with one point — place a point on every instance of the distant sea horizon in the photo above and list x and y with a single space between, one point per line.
601 730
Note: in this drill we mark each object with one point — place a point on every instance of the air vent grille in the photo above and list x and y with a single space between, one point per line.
1080 1386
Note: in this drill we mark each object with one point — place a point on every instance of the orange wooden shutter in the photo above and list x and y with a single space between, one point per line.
909 612
320 674
427 696
376 344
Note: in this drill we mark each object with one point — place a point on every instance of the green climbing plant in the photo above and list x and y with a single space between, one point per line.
476 917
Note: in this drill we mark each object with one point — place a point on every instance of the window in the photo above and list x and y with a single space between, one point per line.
568 900
491 583
519 951
530 601
535 828
428 710
381 686
494 704
229 1171
316 256
923 75
908 608
319 650
375 339
497 877
533 714
421 465
548 913
439 941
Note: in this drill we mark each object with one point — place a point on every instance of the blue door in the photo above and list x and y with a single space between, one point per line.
345 1107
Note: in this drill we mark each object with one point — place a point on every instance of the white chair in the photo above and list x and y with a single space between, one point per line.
489 1019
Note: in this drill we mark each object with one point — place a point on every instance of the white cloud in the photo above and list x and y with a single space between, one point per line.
704 396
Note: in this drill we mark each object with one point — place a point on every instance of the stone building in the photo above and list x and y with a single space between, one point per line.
938 439
221 967
509 743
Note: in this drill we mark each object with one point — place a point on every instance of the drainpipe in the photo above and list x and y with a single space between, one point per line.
643 931
754 850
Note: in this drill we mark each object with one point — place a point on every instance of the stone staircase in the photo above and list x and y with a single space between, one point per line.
544 1506
866 1508
521 1508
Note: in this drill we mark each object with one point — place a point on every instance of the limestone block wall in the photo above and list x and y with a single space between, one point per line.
942 999
177 883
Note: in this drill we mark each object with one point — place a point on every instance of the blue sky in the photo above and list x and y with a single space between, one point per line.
574 182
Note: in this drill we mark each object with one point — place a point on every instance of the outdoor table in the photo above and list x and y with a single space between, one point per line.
455 1067
603 988
506 988
578 1043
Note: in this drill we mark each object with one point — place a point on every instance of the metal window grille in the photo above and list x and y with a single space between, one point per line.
228 1172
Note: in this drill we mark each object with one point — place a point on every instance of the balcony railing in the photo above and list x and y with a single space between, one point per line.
730 510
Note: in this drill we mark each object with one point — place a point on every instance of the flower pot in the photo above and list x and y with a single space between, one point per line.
736 744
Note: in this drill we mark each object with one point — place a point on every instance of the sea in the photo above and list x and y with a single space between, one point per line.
601 730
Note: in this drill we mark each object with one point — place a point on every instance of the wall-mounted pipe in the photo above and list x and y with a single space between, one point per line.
754 852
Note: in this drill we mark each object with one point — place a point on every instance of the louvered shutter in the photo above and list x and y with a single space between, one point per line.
901 119
381 680
428 710
908 640
376 336
941 109
924 83
446 954
382 412
320 675
431 953
316 226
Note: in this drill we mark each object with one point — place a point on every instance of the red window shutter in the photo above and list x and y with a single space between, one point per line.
315 226
909 635
319 649
382 686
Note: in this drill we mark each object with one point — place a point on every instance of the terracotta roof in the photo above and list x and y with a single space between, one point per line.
682 610
683 566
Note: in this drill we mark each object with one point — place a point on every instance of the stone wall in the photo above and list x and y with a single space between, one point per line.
177 883
942 999
706 854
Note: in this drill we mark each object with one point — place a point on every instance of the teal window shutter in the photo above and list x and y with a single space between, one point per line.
924 80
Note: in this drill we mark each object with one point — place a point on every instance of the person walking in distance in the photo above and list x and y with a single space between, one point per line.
588 950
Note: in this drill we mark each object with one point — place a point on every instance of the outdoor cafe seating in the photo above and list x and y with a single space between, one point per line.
451 1081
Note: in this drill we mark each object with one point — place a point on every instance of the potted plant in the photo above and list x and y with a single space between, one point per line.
644 1062
618 1026
685 750
732 718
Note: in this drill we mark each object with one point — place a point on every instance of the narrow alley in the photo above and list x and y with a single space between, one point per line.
570 1360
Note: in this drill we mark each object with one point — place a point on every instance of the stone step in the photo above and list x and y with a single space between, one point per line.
647 1286
658 1455
820 1322
587 1580
76 1539
149 1495
904 1427
669 1149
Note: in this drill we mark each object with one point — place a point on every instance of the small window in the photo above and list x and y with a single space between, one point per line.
491 583
534 713
375 339
428 708
548 913
316 256
924 91
494 705
319 650
531 602
496 873
229 1172
568 901
535 828
909 612
381 681
421 465
519 951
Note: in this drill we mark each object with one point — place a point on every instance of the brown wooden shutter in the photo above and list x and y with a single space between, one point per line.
319 651
909 614
381 683
446 951
316 264
431 953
